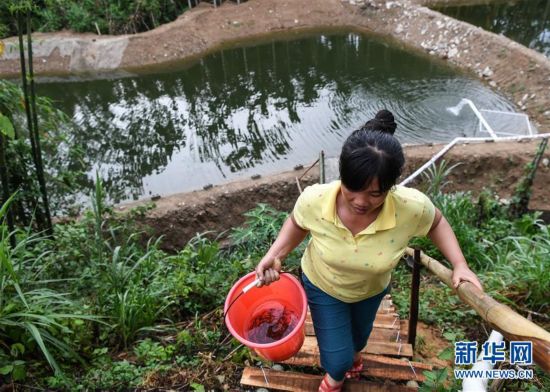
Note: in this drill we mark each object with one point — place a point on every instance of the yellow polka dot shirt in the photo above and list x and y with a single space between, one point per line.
353 268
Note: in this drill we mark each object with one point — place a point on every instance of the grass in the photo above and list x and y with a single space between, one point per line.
32 315
158 319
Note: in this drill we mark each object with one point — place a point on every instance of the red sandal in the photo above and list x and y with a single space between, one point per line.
356 368
326 387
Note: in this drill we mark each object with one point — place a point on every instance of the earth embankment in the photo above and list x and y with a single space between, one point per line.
495 166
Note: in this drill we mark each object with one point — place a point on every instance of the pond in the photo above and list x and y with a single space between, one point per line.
259 109
524 21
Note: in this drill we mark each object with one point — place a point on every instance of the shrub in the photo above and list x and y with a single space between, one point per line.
201 274
64 161
33 317
110 17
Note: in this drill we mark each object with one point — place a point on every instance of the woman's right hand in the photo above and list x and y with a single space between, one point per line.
268 270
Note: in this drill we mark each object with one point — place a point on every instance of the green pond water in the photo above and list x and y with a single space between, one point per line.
524 21
257 110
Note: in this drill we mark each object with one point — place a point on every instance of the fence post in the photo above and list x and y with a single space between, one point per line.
322 167
415 291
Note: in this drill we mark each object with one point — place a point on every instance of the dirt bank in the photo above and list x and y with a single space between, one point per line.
498 166
522 74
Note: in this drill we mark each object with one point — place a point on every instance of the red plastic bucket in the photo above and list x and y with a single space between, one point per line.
286 293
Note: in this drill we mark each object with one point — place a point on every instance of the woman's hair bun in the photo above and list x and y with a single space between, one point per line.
383 121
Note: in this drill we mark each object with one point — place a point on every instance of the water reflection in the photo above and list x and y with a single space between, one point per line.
258 110
524 21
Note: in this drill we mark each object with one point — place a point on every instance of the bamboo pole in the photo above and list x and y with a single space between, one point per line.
35 130
500 317
25 88
522 194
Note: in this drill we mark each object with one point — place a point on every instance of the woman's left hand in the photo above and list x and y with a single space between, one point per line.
464 273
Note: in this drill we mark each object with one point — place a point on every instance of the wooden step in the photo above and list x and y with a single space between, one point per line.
401 349
386 304
399 325
300 382
388 335
387 320
381 317
389 309
388 339
375 366
382 320
377 334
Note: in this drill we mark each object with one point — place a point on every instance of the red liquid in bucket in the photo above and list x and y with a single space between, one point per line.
271 325
269 320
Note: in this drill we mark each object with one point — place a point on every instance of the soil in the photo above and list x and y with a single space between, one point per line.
497 166
216 211
433 344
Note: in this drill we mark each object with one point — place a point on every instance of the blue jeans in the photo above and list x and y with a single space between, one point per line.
342 328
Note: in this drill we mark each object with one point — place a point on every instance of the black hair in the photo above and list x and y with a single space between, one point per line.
383 122
370 154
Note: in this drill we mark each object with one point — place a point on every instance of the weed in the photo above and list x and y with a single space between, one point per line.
436 177
151 353
136 287
439 381
32 316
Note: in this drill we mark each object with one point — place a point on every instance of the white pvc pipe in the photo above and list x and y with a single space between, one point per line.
506 113
480 384
529 128
466 101
469 139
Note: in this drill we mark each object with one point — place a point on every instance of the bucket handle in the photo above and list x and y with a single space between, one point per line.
249 286
244 290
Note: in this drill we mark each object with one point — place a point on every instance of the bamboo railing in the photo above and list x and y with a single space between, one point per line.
500 317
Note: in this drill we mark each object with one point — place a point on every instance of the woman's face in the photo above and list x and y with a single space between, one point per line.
365 201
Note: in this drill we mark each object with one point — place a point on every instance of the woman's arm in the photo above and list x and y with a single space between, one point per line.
290 236
443 236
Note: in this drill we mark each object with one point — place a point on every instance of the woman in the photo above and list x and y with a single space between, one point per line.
360 227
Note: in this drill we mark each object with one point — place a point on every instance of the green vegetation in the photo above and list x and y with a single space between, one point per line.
103 16
101 294
63 181
100 287
105 307
510 255
100 305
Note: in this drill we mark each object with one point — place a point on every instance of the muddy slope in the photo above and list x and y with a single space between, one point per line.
498 166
